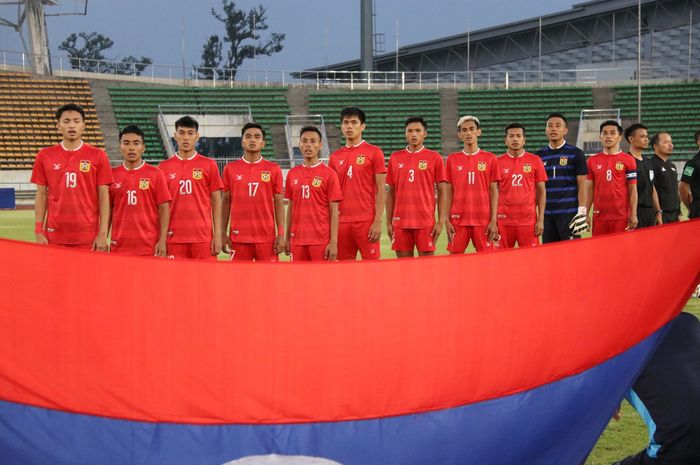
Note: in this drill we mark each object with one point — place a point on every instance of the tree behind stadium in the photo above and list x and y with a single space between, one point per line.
243 39
89 57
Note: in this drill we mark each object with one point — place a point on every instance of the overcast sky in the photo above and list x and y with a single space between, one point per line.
153 28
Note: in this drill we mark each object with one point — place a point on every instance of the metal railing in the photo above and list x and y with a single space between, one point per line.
216 77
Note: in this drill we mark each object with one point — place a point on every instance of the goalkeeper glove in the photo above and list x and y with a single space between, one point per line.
578 223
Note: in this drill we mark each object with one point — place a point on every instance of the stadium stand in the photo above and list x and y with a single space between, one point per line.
674 108
27 111
386 114
529 106
139 105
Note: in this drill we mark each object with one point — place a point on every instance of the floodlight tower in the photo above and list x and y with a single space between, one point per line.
366 36
32 12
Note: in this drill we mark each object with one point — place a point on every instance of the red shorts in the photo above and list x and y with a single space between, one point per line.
261 252
193 251
405 239
608 226
72 246
305 253
523 235
463 234
354 237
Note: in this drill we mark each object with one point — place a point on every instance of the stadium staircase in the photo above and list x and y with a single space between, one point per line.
528 106
27 111
139 105
386 111
674 108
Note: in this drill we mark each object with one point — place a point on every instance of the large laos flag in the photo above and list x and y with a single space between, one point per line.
516 357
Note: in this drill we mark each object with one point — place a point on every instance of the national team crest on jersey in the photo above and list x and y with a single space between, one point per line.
317 181
527 168
423 165
85 166
563 161
144 183
481 166
619 166
197 174
360 160
265 176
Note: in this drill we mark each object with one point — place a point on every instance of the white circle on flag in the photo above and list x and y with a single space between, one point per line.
274 459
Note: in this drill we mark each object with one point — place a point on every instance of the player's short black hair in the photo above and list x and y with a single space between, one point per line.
70 107
697 136
352 111
247 126
611 122
629 132
311 129
416 119
655 138
514 126
132 129
558 115
187 122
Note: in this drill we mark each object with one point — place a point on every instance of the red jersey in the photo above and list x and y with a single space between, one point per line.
357 167
191 183
471 177
252 187
72 178
611 173
136 195
413 177
312 189
517 204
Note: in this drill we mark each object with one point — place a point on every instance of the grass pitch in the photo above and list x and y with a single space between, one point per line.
620 439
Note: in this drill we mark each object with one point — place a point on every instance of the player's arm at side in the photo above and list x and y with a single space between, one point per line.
216 219
590 186
390 201
656 205
288 231
492 228
449 227
541 200
375 232
632 221
280 241
225 215
161 249
582 191
100 243
684 192
442 210
332 247
40 199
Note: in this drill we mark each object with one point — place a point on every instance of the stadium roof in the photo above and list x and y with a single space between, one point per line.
577 12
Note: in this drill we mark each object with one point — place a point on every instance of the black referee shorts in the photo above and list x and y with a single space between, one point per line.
646 217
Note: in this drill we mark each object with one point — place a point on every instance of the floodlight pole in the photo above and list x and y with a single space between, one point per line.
366 36
639 60
36 23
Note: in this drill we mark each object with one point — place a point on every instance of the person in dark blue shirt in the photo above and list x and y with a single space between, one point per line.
667 397
566 169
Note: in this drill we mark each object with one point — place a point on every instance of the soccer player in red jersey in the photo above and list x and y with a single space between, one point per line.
313 192
140 201
253 201
612 184
472 192
362 175
195 186
412 177
72 188
522 197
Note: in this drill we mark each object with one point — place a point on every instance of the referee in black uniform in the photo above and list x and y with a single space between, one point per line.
648 210
667 397
689 186
665 177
